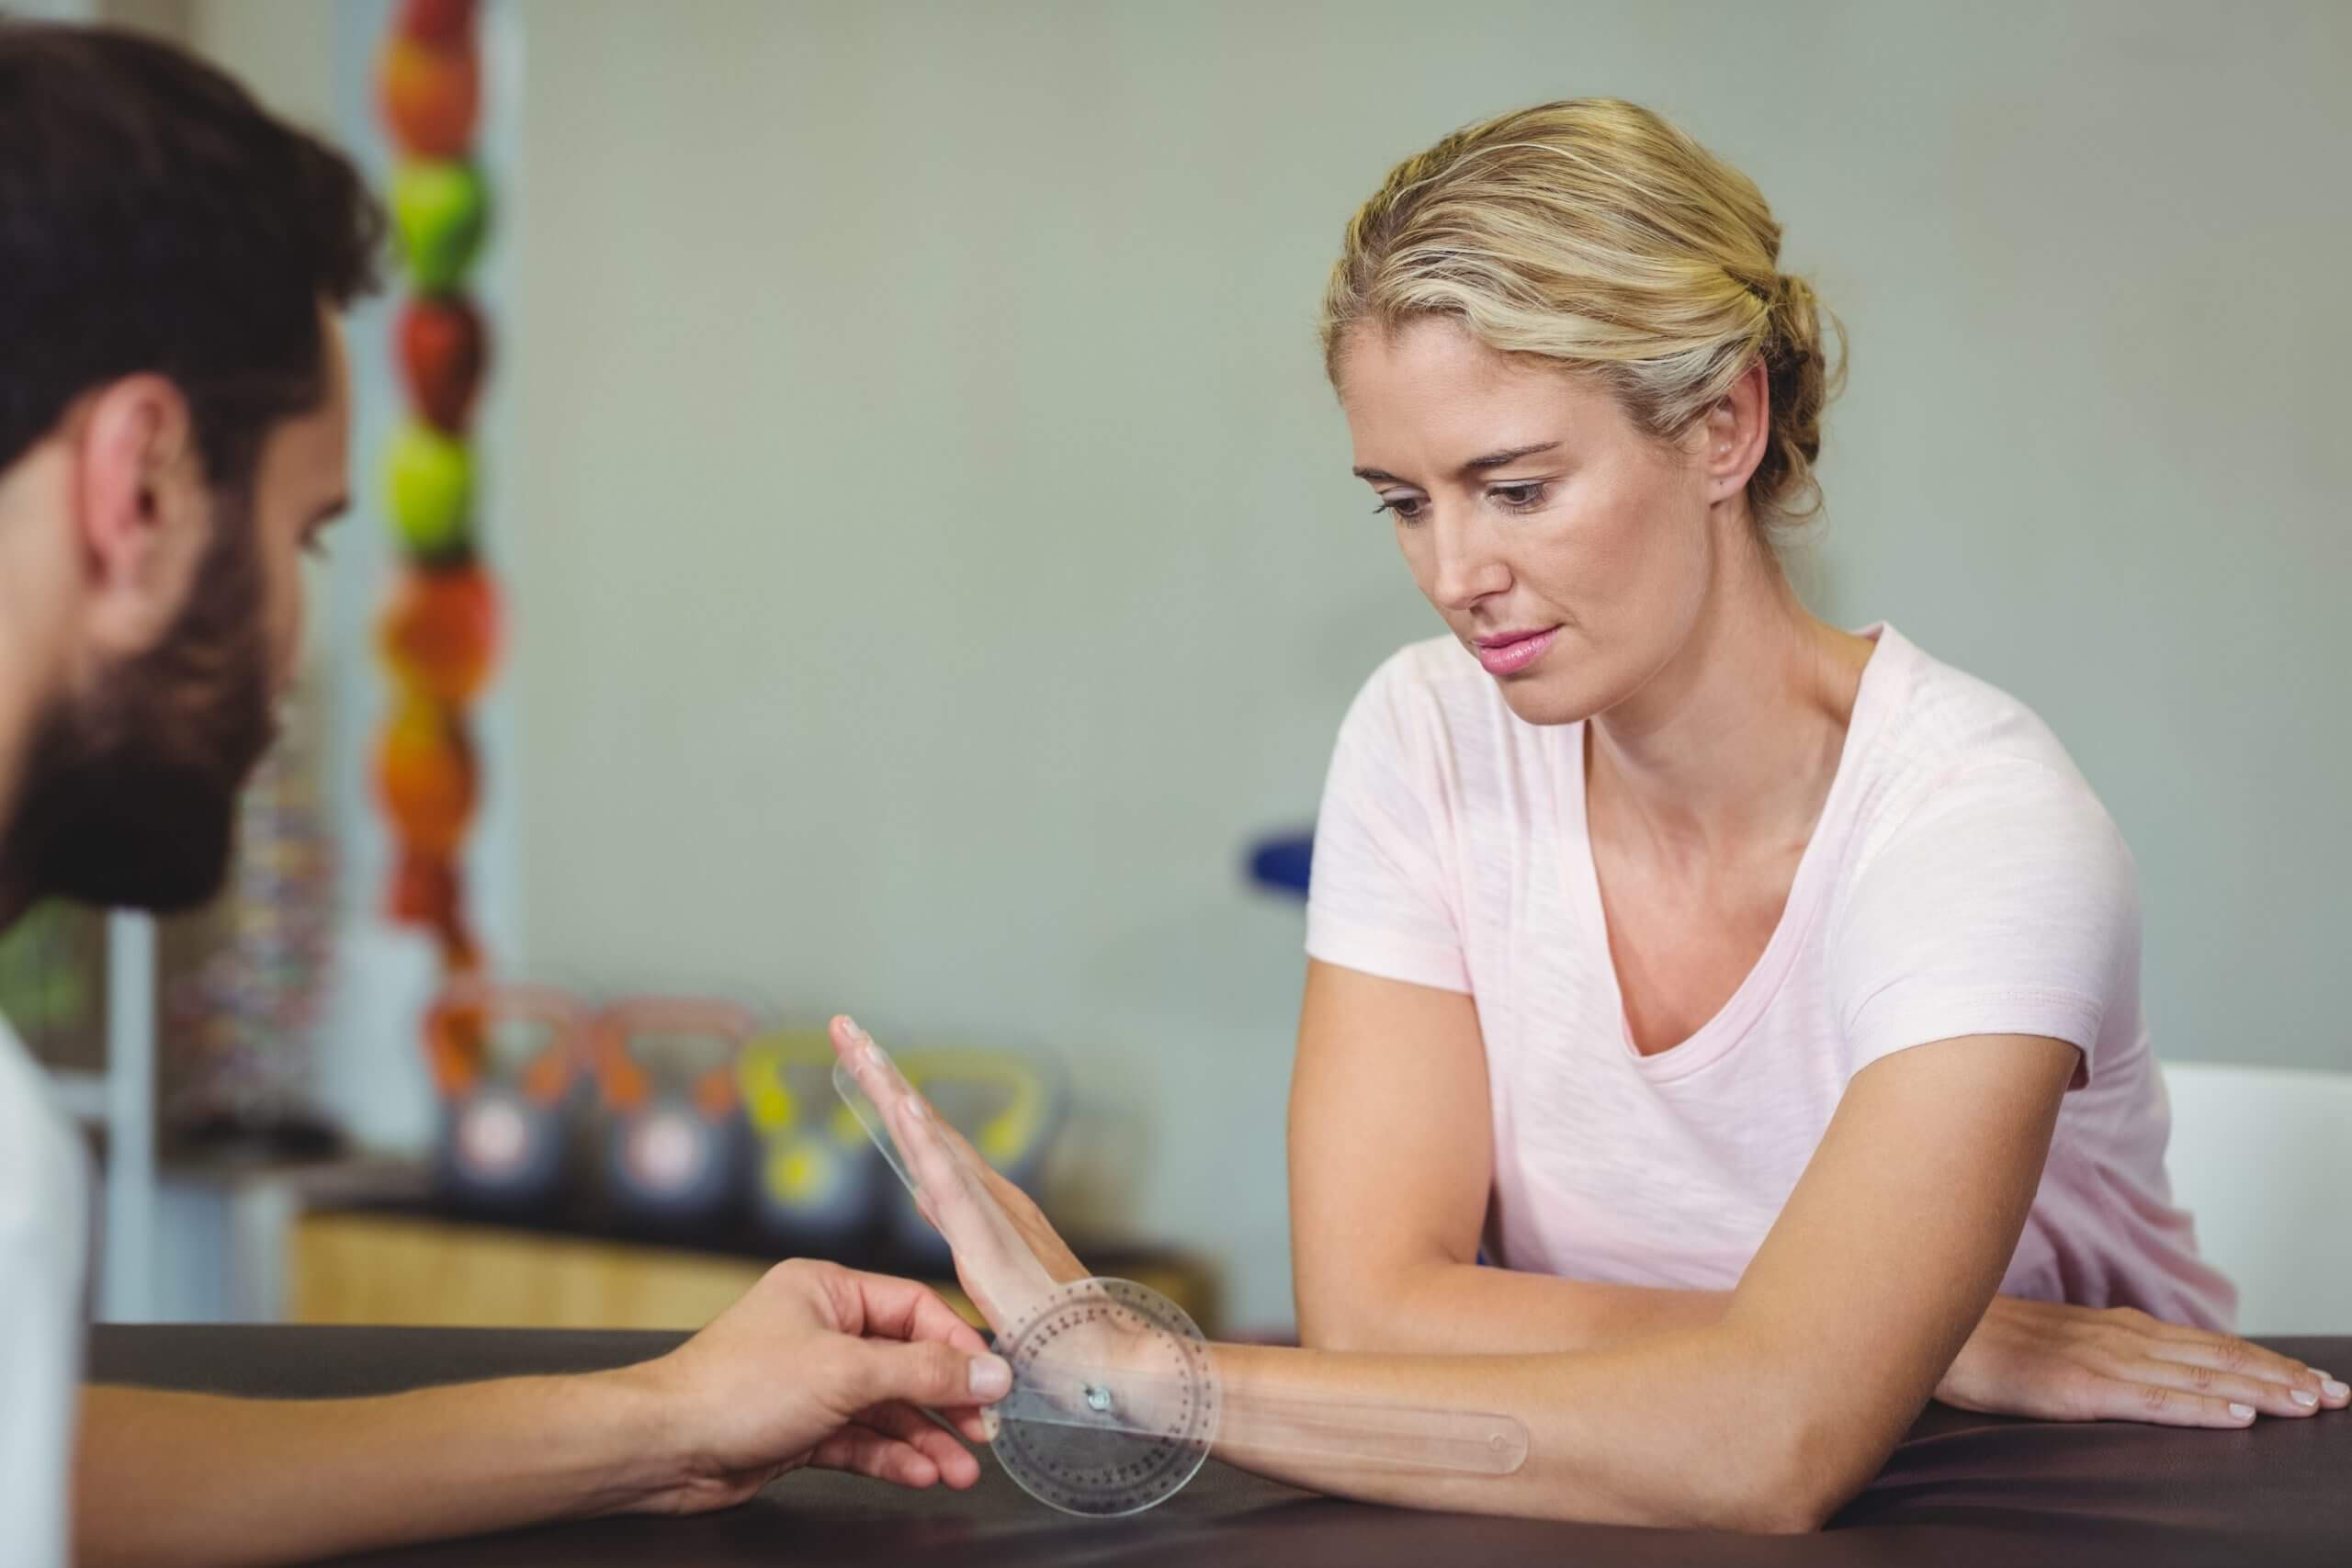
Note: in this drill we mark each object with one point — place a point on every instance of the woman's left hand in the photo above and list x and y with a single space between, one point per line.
1008 1257
2075 1363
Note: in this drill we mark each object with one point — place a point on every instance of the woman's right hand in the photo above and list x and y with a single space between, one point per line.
2072 1363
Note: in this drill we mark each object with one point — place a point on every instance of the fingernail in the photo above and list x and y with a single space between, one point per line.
991 1377
2243 1412
2333 1389
2303 1397
857 1036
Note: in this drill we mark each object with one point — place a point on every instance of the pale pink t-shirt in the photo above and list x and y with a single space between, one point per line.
1962 880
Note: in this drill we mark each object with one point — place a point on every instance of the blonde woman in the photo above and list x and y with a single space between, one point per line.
1762 995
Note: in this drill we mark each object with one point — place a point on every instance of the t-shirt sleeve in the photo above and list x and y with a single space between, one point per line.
42 1214
2005 903
1381 894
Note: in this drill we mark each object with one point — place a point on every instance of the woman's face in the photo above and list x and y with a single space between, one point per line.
1569 551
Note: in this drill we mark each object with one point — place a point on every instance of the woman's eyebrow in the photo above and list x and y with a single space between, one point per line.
1503 459
1475 466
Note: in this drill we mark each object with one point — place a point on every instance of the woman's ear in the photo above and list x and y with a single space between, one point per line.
1738 428
139 510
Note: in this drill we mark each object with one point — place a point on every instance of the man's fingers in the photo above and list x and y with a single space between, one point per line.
861 1450
968 1420
912 1427
926 1373
906 1309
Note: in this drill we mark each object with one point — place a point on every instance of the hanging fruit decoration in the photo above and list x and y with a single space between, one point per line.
438 635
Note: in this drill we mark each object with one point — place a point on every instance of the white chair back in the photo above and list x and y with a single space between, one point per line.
2262 1156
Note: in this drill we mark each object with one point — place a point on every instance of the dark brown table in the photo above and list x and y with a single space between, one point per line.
1967 1490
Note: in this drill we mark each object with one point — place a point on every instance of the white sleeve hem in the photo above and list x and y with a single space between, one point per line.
2052 1014
1385 953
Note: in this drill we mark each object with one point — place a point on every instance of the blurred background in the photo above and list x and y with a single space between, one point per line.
928 571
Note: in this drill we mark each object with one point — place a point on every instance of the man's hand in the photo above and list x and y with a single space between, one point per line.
825 1366
2072 1363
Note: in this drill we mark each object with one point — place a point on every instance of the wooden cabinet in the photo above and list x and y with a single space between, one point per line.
363 1267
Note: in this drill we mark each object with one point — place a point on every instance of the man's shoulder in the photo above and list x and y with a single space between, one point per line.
36 1144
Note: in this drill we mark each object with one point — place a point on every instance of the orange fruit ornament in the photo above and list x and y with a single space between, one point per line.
431 94
425 779
439 633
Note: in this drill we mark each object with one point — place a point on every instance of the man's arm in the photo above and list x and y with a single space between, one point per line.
816 1365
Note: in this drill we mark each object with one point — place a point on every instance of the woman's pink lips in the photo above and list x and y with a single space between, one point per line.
1514 651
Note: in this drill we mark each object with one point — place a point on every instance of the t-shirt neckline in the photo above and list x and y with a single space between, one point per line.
1884 677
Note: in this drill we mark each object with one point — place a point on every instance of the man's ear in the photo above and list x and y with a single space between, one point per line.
140 509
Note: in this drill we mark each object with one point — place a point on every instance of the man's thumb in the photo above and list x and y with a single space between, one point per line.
932 1373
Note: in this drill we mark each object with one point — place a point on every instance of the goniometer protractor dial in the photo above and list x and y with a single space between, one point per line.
1115 1400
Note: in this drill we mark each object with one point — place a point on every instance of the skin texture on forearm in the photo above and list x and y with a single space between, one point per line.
1765 1450
1447 1308
198 1479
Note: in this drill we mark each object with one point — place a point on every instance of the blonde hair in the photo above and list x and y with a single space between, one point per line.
1593 234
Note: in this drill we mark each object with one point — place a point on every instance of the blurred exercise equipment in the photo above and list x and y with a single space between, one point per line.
815 1180
508 1061
674 1124
1010 1105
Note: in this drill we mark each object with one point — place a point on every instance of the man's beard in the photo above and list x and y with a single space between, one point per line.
131 793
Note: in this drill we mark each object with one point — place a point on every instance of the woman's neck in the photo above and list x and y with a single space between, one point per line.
1734 742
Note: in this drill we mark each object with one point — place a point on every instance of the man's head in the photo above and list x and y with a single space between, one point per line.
173 424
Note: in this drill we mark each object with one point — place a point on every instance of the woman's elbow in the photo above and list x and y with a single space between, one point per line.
1794 1512
1363 1308
1383 1309
1796 1479
1343 1321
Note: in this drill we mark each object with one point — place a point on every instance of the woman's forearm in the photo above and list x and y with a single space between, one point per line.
1445 1308
1695 1429
220 1480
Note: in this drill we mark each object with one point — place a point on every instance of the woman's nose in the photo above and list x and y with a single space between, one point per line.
1466 565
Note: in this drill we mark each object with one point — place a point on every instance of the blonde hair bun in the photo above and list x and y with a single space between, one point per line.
1593 232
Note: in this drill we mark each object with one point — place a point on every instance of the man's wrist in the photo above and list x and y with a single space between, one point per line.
633 1418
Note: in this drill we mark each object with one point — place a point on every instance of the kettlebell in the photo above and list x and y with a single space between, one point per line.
665 1079
815 1179
505 1060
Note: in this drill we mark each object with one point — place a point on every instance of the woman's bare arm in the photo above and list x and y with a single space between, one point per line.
1879 1266
1391 1159
1390 1164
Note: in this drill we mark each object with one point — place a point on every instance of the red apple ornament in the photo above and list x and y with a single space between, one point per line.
444 351
444 24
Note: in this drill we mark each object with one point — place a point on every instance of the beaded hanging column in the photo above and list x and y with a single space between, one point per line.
438 636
